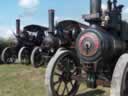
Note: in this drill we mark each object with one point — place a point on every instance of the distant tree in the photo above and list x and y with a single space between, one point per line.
5 42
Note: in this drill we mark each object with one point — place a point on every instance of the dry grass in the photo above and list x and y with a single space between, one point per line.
22 80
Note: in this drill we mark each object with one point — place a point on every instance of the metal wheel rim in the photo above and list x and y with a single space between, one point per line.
9 57
66 91
38 58
124 87
25 57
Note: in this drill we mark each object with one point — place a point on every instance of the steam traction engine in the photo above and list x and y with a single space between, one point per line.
63 34
31 36
99 59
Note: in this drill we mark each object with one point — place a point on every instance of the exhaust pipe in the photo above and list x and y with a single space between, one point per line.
95 6
109 5
17 26
51 20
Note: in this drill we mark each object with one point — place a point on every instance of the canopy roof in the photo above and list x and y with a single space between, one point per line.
35 28
70 24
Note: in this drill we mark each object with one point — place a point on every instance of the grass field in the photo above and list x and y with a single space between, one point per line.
22 80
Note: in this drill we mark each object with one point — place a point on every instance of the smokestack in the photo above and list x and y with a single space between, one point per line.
17 26
109 5
51 14
95 6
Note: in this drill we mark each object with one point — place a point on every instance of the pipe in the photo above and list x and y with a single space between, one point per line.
109 5
115 3
95 6
17 26
51 20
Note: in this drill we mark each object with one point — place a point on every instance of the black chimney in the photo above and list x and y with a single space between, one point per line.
51 20
17 26
95 6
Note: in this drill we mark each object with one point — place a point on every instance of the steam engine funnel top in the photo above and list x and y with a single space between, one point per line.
95 6
51 20
17 26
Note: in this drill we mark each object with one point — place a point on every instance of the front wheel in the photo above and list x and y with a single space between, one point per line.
119 84
24 55
62 67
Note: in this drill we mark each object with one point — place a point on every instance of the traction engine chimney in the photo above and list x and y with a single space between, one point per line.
51 20
17 26
95 6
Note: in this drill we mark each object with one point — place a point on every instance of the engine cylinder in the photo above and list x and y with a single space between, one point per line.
95 44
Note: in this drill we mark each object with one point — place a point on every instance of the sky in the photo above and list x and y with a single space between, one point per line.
36 12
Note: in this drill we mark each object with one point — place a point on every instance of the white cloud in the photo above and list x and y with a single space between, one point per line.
125 11
104 7
125 14
6 32
57 19
28 3
29 7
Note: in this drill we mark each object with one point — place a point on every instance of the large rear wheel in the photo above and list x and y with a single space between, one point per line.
37 59
119 85
24 55
8 56
60 72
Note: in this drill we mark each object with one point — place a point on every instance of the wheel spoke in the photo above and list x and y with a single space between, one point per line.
56 82
71 83
74 71
25 56
67 88
59 86
63 91
62 83
58 74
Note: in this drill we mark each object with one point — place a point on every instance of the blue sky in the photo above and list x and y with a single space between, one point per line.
36 12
